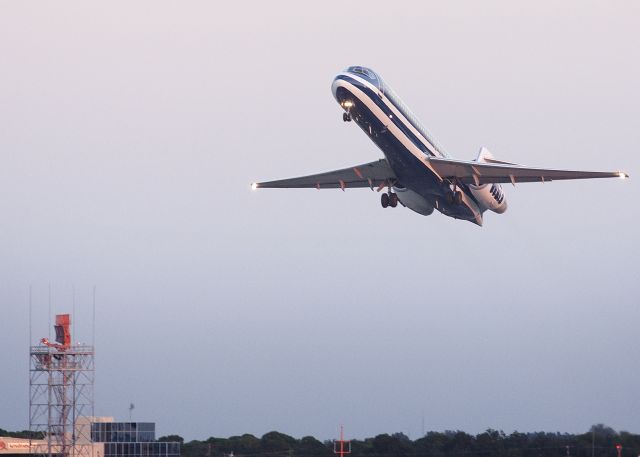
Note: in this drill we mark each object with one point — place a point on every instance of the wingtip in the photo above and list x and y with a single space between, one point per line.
623 175
254 185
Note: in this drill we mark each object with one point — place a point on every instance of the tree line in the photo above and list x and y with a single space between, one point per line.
599 441
26 434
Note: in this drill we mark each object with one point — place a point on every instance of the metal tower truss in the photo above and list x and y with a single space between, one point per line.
61 377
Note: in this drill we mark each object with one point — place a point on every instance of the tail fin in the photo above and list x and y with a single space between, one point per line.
484 155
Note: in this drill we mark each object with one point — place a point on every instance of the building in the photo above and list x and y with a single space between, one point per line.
61 378
108 439
131 439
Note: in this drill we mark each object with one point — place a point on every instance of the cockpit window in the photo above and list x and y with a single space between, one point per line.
364 72
404 109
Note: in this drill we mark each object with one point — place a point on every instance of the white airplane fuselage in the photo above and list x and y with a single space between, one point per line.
405 143
416 171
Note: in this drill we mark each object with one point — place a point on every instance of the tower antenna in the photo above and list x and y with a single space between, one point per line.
93 324
339 447
30 306
93 342
73 309
61 394
49 312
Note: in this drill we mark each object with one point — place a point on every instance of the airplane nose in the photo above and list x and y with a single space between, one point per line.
334 88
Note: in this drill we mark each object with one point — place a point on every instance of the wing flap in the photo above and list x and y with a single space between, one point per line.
501 172
372 174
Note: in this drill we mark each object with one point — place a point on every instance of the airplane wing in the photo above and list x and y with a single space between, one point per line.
471 172
372 174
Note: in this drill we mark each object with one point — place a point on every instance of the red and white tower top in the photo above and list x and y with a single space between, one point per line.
342 447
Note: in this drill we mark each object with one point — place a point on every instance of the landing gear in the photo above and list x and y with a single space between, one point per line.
384 200
390 199
453 197
346 117
449 198
451 193
393 200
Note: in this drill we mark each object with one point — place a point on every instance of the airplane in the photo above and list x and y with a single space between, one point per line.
416 170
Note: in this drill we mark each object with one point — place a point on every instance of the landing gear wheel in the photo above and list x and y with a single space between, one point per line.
449 197
384 200
346 117
393 200
458 198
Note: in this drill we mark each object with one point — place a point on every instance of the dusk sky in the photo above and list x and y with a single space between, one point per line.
130 133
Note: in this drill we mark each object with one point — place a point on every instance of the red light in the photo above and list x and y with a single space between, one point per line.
618 446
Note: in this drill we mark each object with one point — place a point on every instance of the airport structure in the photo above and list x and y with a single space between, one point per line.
61 393
106 439
61 409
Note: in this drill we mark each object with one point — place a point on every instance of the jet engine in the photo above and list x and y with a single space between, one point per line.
490 196
413 201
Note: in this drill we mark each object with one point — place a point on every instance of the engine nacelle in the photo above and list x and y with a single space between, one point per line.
490 196
413 201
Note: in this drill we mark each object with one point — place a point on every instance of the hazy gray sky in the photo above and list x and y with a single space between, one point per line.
129 135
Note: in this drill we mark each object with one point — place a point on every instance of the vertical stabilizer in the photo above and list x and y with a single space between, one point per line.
484 154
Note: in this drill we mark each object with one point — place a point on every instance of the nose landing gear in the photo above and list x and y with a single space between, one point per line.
346 117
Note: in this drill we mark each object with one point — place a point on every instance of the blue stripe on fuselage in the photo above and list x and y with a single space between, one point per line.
387 111
408 168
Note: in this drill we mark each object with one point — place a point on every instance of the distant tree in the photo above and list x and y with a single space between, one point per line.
460 443
630 444
516 445
308 446
451 443
171 438
360 448
603 439
491 441
24 434
602 431
433 444
392 445
276 441
194 448
245 444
